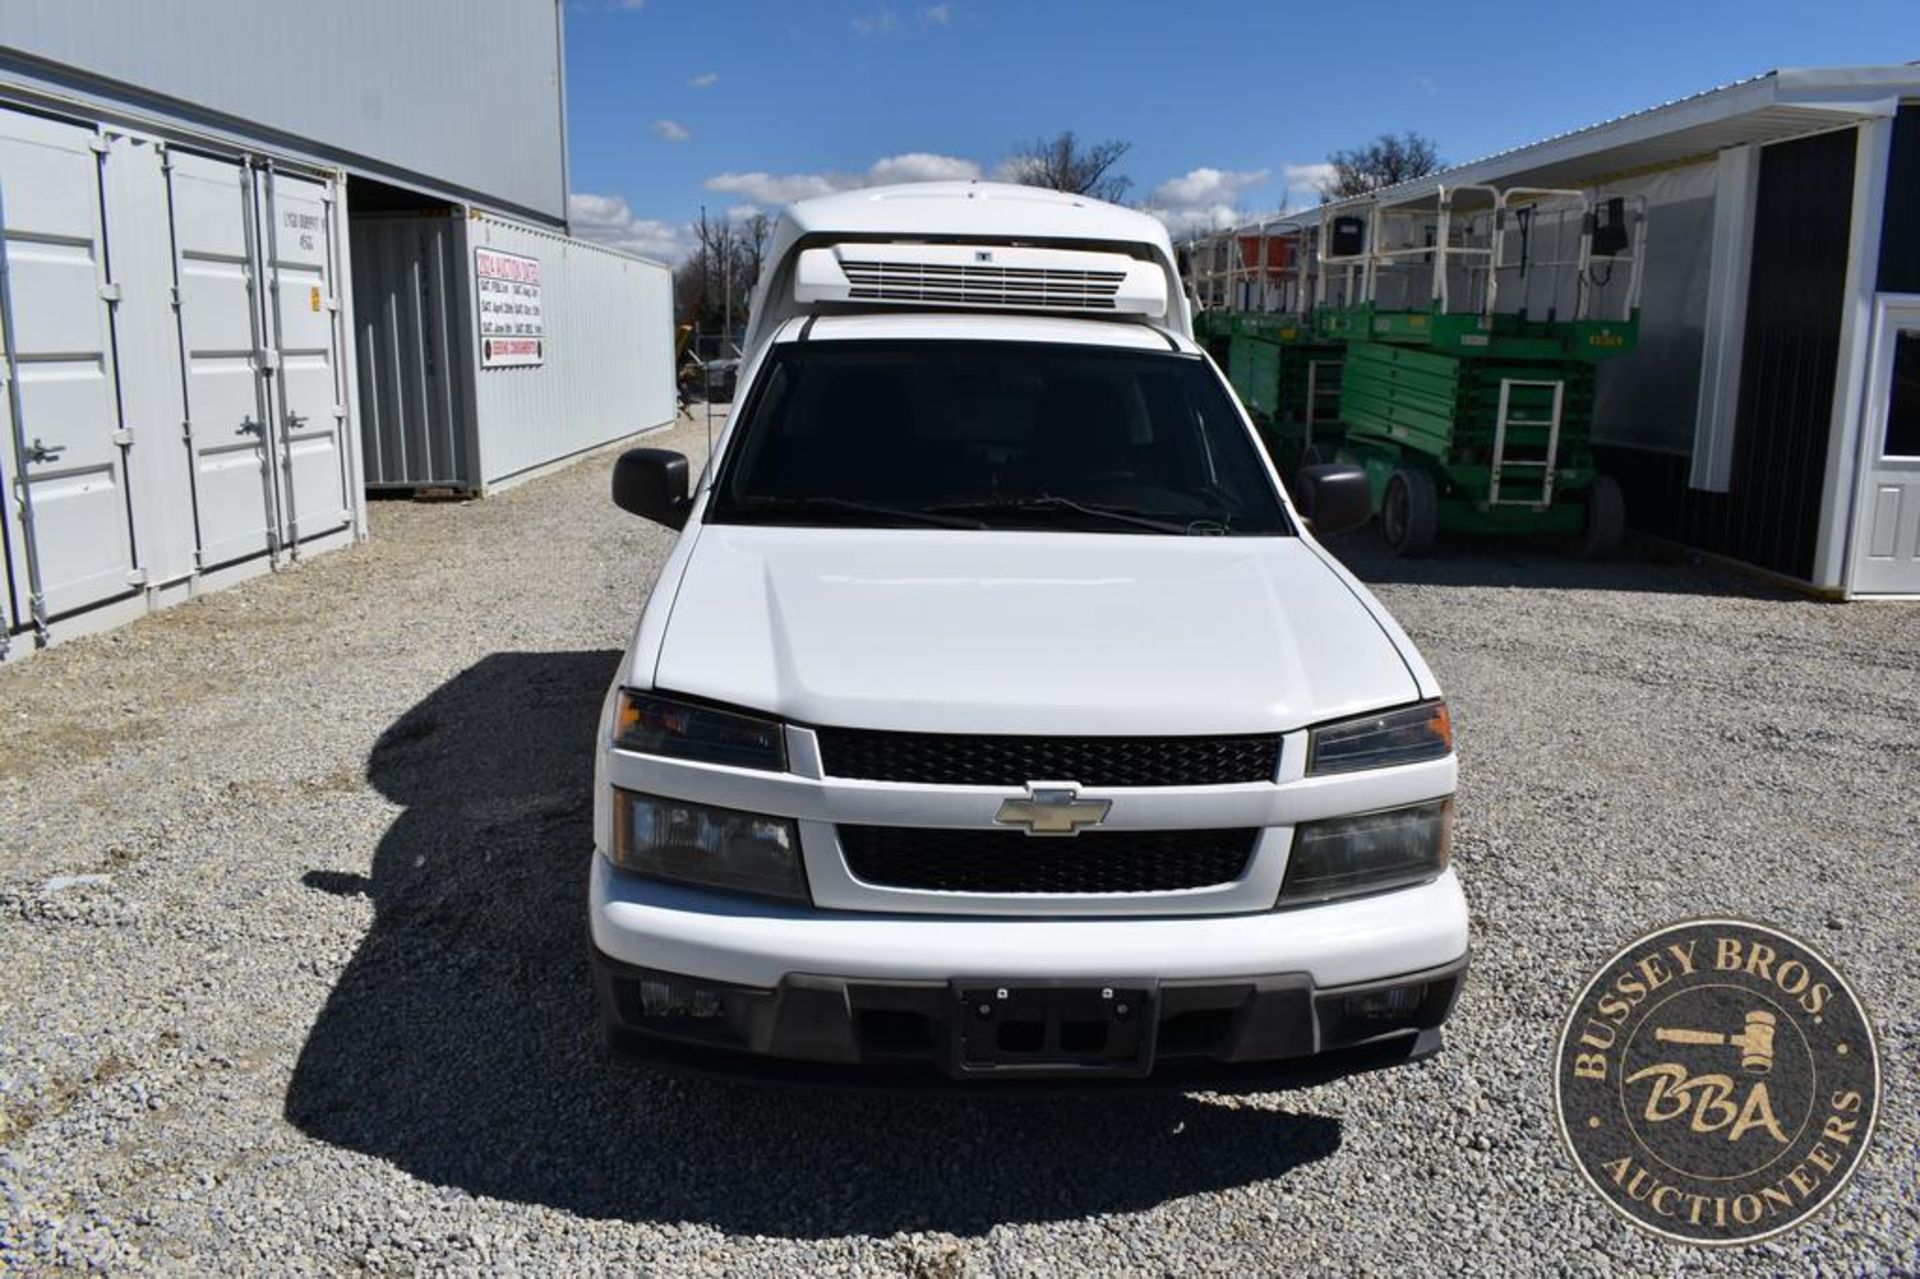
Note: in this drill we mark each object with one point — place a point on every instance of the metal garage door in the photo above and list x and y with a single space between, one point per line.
310 409
59 348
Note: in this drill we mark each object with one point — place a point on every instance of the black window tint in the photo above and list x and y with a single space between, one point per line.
920 425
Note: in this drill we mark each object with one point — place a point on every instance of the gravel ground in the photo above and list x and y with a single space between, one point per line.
295 971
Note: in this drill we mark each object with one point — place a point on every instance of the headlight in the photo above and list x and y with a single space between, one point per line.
1368 853
659 725
1405 736
713 847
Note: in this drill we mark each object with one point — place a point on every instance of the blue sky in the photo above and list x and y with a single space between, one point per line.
732 104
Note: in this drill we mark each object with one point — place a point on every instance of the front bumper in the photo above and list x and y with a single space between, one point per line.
830 1029
892 992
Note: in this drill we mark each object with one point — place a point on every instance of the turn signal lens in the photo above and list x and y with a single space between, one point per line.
1405 736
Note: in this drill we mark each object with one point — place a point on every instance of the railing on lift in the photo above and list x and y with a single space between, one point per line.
1469 237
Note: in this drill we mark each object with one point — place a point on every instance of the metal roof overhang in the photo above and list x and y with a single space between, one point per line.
1767 108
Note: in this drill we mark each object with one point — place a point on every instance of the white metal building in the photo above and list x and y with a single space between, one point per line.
201 379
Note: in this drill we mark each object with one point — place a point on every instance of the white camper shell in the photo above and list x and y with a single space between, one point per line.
968 246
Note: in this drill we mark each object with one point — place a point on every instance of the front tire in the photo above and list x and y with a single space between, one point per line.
1410 512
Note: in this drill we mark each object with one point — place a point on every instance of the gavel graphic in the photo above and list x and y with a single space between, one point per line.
1755 1042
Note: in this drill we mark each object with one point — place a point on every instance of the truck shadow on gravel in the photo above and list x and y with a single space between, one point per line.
1538 563
461 1042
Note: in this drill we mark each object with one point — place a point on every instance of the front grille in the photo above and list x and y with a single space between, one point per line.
943 759
997 861
1029 288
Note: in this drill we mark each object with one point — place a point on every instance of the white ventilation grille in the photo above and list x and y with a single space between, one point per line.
984 277
981 284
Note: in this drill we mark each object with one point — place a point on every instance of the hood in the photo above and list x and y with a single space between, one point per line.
1024 632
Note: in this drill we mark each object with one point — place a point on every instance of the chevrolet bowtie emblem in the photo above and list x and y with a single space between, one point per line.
1052 808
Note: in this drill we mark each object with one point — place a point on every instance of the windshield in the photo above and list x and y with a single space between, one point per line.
994 435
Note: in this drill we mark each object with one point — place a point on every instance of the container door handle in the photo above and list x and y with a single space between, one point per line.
44 452
248 427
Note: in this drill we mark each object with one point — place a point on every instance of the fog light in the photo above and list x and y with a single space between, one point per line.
1393 1003
662 998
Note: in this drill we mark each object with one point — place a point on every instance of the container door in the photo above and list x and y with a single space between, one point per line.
69 435
1886 556
310 416
220 335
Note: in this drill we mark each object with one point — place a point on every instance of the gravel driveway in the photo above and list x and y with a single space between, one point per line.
293 969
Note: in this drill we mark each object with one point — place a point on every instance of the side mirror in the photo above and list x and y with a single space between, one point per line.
653 483
1335 497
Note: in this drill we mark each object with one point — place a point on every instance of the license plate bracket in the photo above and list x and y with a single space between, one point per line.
1016 1027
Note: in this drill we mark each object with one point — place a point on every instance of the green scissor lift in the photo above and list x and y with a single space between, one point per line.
1256 320
1471 328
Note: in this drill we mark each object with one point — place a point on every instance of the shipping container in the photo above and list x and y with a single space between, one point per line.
488 349
176 411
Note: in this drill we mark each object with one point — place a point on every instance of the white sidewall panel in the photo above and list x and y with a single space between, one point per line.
607 348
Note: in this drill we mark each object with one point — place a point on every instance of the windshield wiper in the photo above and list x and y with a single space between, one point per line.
814 505
1048 503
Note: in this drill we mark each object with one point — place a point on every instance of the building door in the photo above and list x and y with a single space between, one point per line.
297 243
223 348
66 447
1886 548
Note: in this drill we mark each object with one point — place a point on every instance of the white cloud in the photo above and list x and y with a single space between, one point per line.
785 188
671 130
1205 186
939 14
772 188
741 212
1203 199
1426 84
1192 221
705 80
921 166
606 219
1306 181
881 20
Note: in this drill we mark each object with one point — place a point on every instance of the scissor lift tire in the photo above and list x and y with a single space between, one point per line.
1410 512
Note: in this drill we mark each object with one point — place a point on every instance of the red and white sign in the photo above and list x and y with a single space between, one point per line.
507 298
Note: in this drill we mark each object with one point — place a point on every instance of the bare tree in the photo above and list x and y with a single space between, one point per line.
714 286
1065 164
1384 162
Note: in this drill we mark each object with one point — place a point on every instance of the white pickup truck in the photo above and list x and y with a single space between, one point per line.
997 714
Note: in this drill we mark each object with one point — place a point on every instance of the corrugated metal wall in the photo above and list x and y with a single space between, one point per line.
608 353
434 414
461 96
1648 399
1770 514
415 373
1900 225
